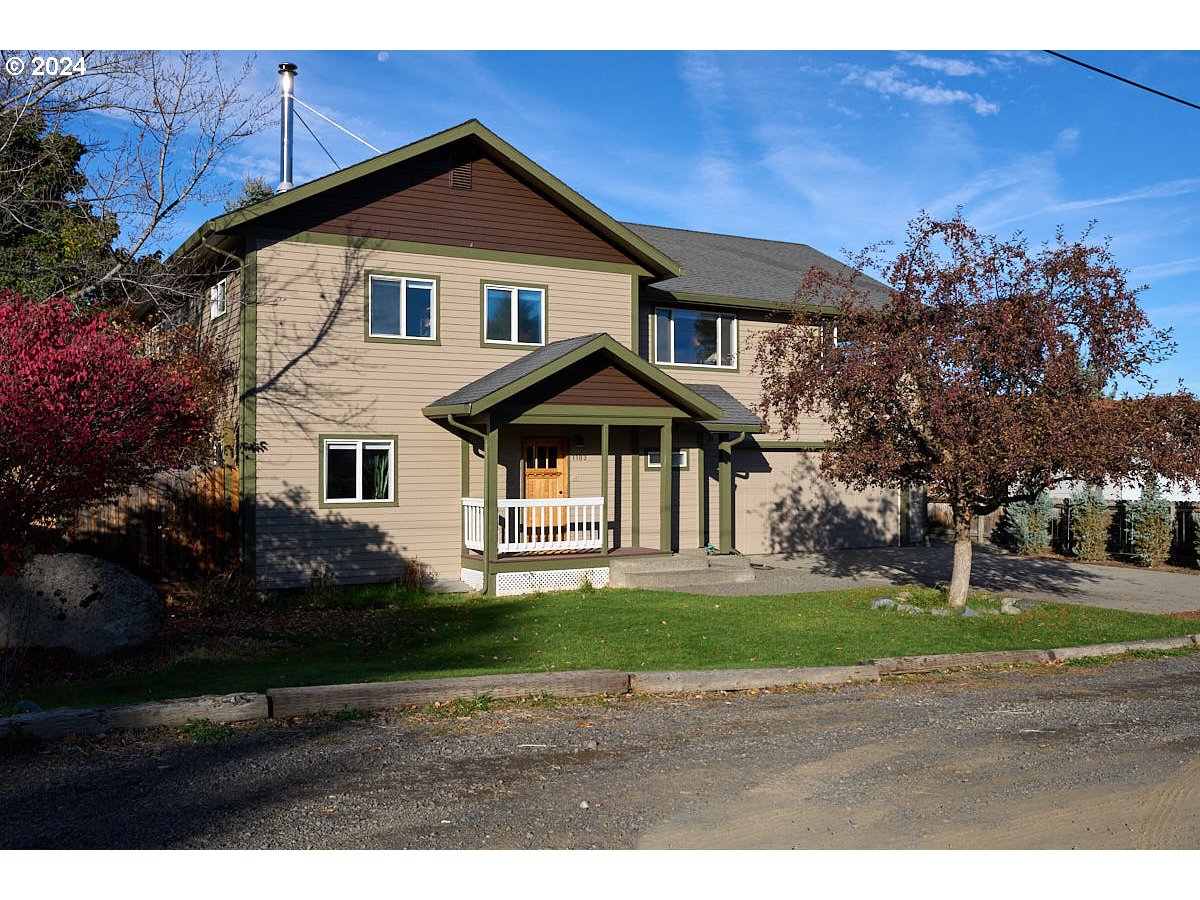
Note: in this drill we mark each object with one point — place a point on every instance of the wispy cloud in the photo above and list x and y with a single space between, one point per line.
1159 271
891 82
703 76
1007 59
955 68
1161 191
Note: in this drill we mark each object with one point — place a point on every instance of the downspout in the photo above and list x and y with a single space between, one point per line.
725 472
462 426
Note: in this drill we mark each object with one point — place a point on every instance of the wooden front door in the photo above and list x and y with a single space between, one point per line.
546 476
545 469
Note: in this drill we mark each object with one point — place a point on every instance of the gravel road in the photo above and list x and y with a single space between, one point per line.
1089 757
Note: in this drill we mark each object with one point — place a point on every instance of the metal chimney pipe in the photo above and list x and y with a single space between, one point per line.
287 84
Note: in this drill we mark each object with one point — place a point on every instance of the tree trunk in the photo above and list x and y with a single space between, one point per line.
960 578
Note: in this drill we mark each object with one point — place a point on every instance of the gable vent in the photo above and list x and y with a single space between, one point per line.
460 177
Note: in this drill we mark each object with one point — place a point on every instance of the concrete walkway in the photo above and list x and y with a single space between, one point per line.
1116 587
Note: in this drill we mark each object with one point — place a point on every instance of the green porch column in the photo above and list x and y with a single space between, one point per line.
604 488
635 494
491 508
725 480
666 484
464 486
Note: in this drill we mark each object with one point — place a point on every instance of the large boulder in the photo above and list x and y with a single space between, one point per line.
79 602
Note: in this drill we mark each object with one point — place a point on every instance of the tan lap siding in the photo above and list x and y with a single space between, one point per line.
782 504
317 375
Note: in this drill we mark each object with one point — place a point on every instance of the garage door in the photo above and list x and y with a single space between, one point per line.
782 504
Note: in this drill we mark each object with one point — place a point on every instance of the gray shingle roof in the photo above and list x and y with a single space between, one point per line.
518 368
725 265
734 415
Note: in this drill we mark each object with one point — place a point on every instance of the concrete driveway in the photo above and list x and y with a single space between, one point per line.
1116 587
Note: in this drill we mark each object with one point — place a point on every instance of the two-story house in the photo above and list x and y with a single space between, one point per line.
446 355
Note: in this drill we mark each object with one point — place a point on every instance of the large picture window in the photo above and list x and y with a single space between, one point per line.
514 314
358 470
402 307
686 337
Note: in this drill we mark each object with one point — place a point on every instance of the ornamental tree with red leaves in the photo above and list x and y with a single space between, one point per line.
85 413
982 369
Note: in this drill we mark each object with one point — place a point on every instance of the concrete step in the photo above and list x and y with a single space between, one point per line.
694 569
687 580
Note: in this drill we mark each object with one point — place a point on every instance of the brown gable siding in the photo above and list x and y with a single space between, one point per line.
607 387
414 201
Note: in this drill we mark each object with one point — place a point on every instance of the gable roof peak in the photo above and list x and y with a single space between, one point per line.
616 233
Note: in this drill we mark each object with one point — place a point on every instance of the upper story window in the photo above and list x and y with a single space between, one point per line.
514 314
685 337
218 304
402 307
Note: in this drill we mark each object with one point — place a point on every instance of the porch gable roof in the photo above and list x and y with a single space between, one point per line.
535 367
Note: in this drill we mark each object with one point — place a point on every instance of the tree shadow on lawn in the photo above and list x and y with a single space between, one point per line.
990 569
159 795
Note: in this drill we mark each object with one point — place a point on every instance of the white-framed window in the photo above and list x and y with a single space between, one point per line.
679 459
400 306
357 470
217 302
688 337
514 314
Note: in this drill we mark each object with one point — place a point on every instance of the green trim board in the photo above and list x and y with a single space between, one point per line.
484 284
701 497
322 503
661 297
635 330
464 488
491 508
679 394
560 414
434 341
248 413
617 234
666 490
725 487
635 488
604 538
782 445
453 251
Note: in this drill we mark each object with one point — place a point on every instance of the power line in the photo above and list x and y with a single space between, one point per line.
1119 78
318 140
335 124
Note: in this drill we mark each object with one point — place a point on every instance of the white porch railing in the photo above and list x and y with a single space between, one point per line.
527 526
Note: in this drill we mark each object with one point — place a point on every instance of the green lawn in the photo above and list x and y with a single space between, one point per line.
435 636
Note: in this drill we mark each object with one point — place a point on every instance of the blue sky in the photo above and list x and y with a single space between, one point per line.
836 149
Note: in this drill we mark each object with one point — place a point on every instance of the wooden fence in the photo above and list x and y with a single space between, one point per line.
181 525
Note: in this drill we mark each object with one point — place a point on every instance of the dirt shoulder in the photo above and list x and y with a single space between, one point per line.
1099 757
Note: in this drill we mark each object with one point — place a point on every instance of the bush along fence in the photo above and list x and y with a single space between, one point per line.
1149 531
181 525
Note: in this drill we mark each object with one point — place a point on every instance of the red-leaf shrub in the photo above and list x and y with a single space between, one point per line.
85 413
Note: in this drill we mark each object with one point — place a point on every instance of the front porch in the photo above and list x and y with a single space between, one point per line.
586 452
